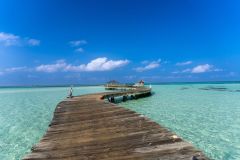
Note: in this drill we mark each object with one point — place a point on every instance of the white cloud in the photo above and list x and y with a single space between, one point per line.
183 63
15 69
80 50
217 70
202 68
59 65
8 39
199 69
77 43
98 64
145 62
186 70
148 66
33 42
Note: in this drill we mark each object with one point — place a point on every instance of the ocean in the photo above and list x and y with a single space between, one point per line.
206 115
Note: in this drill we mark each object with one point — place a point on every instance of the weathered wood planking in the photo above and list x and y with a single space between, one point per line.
88 128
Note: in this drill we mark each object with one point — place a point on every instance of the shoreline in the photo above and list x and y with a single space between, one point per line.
102 84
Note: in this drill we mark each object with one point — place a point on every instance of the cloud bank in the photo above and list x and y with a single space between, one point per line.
183 63
98 64
80 50
77 43
148 66
9 39
203 68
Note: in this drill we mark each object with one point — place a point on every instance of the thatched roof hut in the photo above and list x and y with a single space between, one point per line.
113 82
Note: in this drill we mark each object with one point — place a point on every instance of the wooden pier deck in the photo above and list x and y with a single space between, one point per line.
89 128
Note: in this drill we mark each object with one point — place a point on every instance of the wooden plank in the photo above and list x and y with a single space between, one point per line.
89 128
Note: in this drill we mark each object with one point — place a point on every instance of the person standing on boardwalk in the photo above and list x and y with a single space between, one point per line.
70 93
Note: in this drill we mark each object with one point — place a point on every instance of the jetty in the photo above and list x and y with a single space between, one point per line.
90 127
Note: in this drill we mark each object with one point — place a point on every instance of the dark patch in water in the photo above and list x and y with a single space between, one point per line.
215 88
210 88
204 88
184 88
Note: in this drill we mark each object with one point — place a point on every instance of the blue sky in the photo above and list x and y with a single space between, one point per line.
93 41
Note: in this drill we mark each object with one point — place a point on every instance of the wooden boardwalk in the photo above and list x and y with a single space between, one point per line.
89 128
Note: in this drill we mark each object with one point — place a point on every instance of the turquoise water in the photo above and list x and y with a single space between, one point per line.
206 115
25 114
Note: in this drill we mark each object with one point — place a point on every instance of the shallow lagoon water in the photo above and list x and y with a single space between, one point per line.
25 114
206 115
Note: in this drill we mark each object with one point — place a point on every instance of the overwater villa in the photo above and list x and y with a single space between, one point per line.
139 84
112 83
